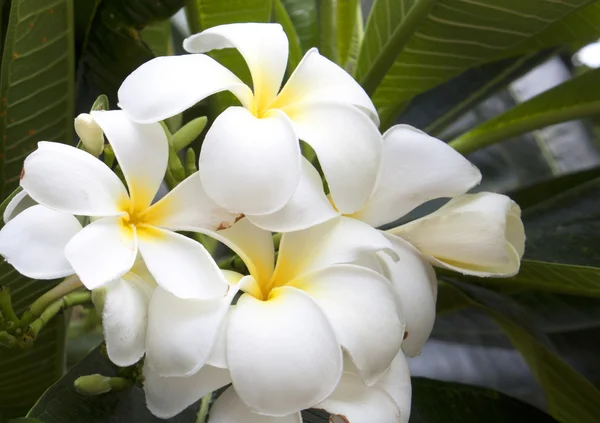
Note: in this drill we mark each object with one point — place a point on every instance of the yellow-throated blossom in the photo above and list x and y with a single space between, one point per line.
281 343
250 161
69 182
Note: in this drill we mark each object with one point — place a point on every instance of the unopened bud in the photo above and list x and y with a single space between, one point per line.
98 384
90 133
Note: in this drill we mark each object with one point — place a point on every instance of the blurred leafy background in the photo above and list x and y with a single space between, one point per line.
506 82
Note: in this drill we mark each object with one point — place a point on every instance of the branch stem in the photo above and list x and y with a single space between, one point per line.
70 300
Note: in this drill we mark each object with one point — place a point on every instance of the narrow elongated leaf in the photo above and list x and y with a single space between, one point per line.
436 109
62 404
347 11
280 15
411 46
328 29
550 277
532 195
434 401
303 14
573 99
570 396
36 103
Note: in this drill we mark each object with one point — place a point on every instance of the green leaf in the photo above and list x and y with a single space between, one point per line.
571 100
327 30
566 228
281 16
570 396
436 109
25 420
581 26
549 277
303 14
411 46
356 41
209 13
435 401
347 11
36 103
62 404
157 36
529 196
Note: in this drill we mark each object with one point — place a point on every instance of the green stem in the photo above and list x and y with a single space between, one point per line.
190 162
70 300
6 305
203 412
388 55
70 284
7 340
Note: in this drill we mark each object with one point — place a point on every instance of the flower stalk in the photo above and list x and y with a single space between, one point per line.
70 300
70 284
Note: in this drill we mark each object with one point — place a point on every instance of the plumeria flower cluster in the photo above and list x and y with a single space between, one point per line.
328 310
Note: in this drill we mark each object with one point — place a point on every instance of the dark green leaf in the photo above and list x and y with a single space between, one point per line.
303 14
62 404
347 12
411 46
439 107
570 397
571 100
36 103
566 228
25 420
549 277
435 401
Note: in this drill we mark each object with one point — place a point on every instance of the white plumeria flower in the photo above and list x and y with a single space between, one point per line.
281 343
478 234
250 160
388 401
73 182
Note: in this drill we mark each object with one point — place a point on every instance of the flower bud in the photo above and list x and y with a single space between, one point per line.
90 133
93 384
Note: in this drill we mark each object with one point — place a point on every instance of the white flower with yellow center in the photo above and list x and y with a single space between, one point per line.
479 234
281 343
65 181
250 161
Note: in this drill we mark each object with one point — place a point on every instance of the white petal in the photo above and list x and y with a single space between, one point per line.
147 96
229 408
103 251
348 145
361 307
318 79
34 242
124 318
264 47
253 245
169 396
189 208
250 165
396 382
182 333
479 234
141 150
415 284
180 265
218 355
340 240
282 353
416 168
358 403
308 207
68 179
17 204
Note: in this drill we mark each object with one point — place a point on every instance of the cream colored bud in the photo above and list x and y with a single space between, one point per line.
90 133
